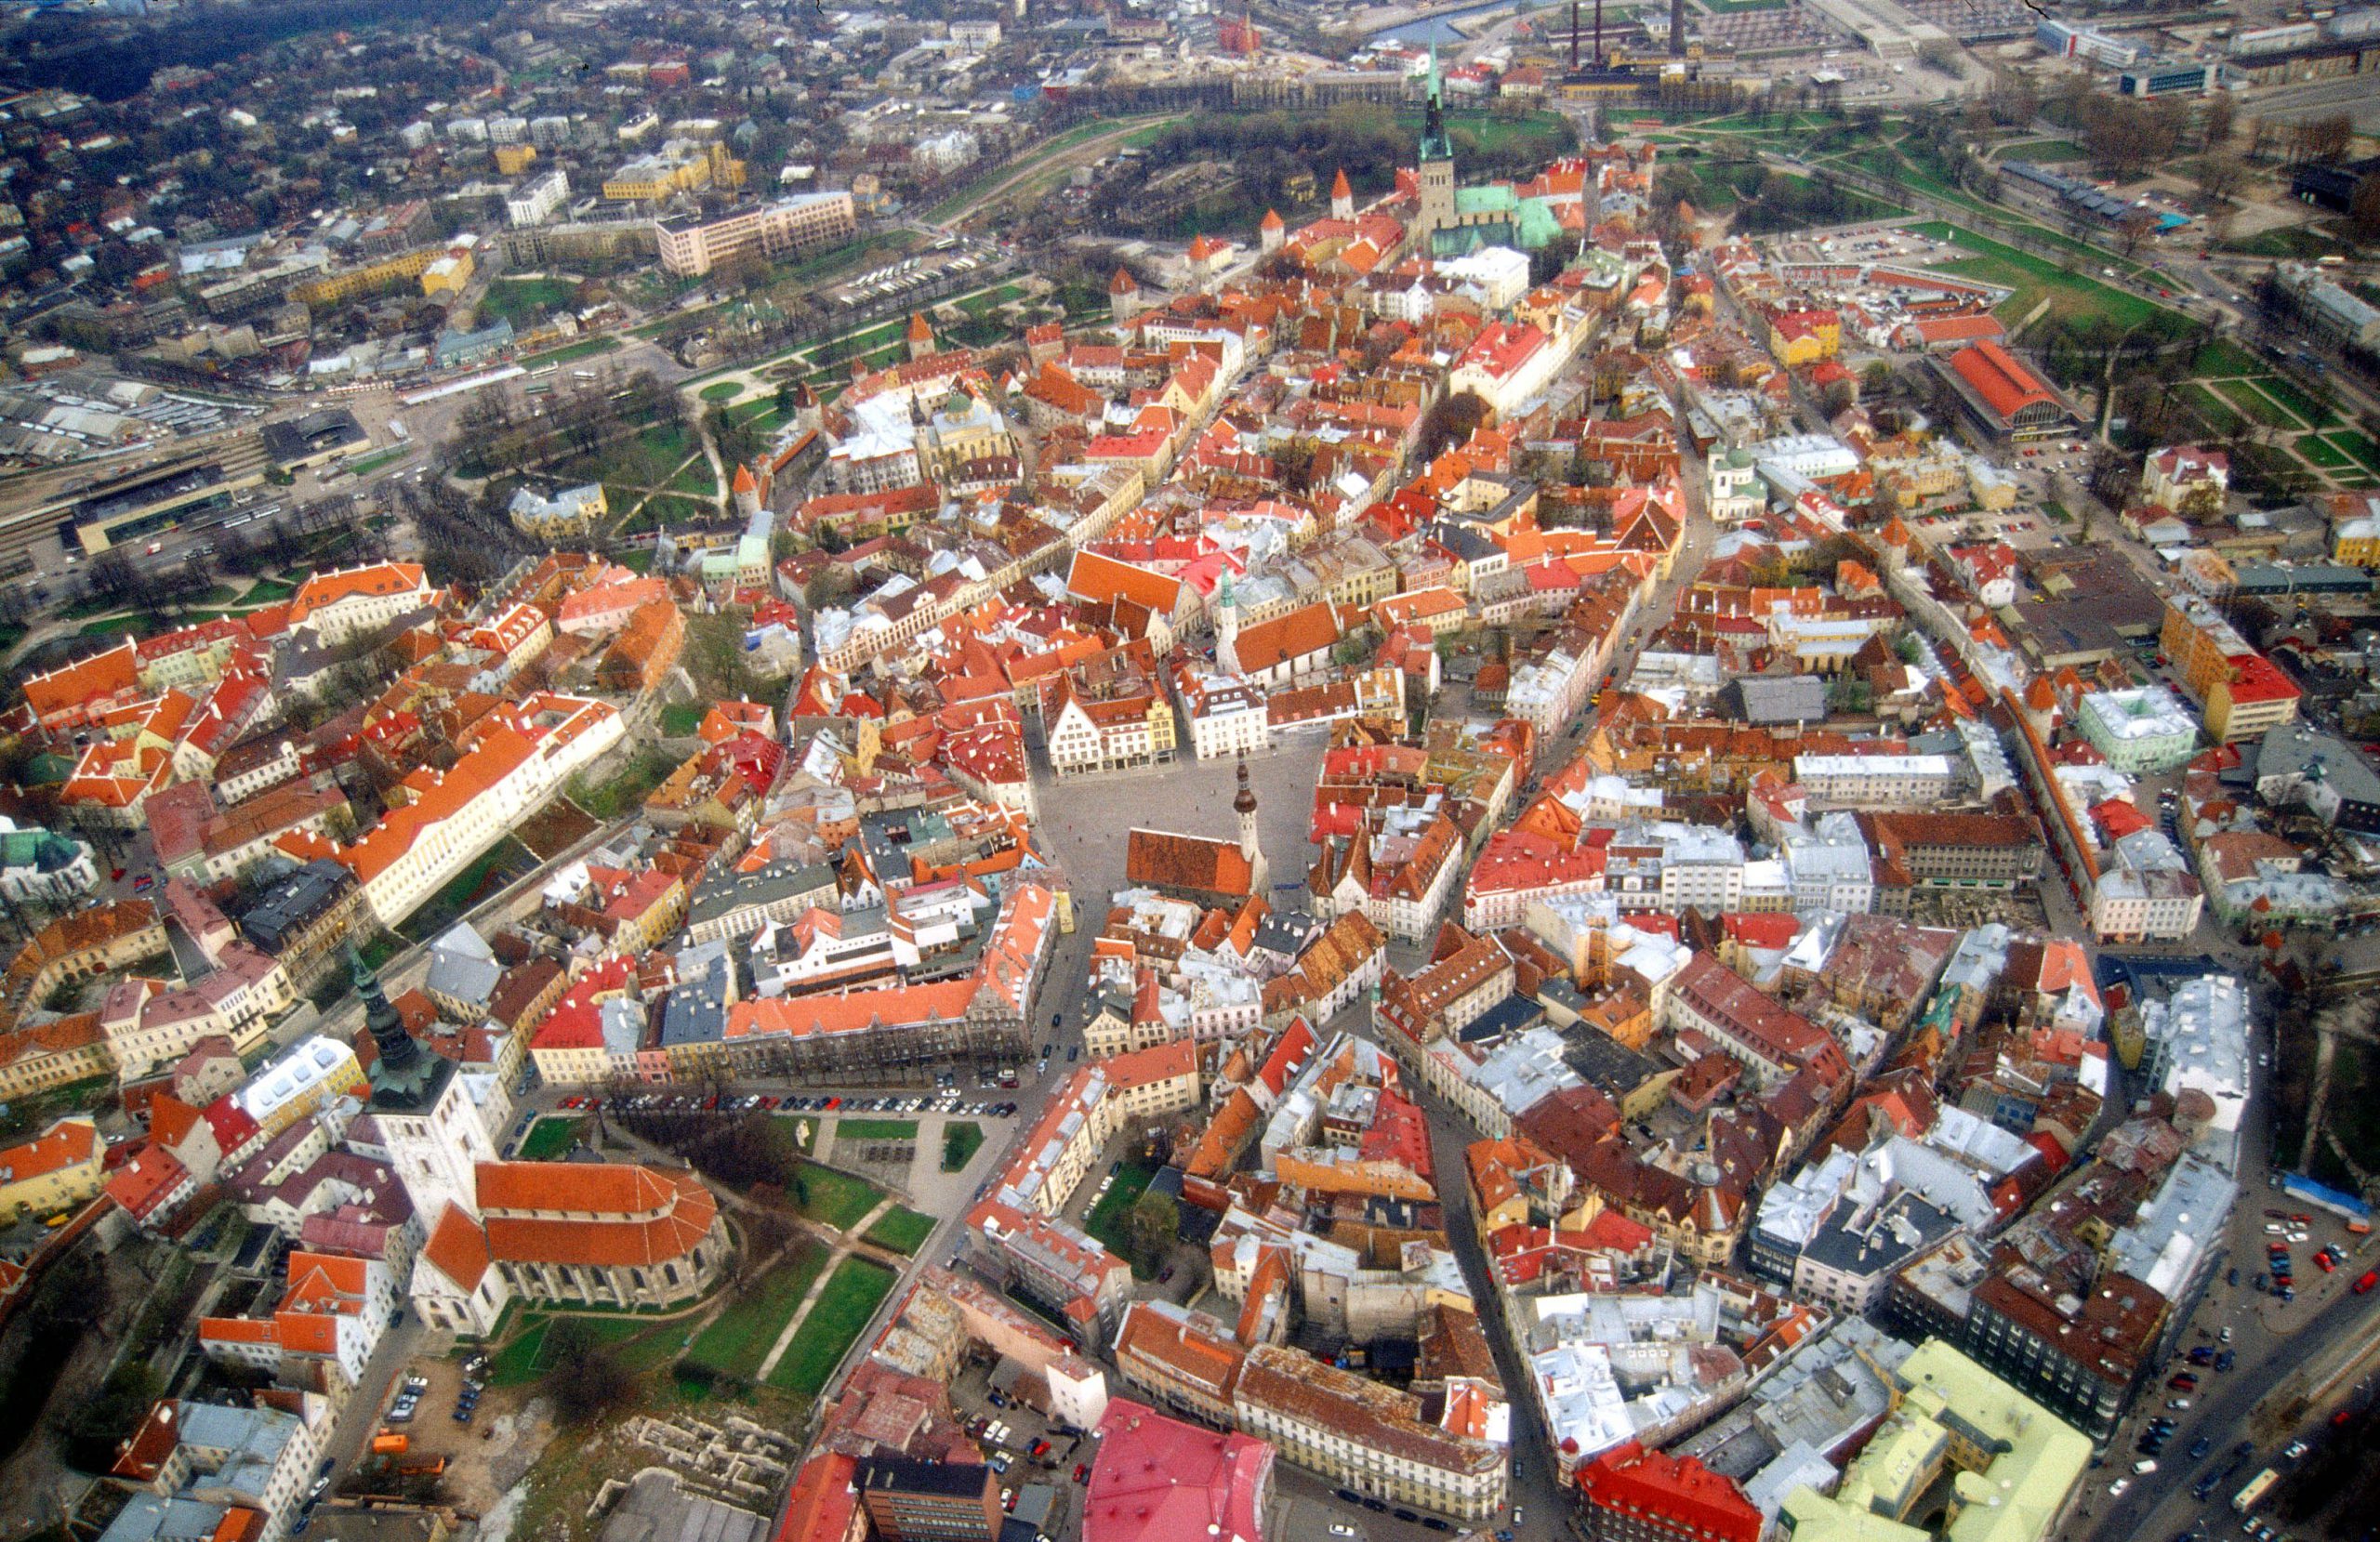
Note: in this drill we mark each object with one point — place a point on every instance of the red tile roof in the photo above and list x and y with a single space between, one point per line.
2003 383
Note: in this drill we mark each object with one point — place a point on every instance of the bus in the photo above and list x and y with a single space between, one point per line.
2258 1486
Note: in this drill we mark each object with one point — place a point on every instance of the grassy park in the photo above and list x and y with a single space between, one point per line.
740 1337
852 1296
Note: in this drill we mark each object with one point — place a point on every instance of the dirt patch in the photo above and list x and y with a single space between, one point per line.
486 1458
554 829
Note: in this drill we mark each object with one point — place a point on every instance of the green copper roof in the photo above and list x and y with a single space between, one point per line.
1436 144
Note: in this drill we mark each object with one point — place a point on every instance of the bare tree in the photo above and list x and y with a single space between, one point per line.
2220 175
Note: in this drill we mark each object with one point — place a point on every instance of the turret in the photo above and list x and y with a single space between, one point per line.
1251 846
1342 196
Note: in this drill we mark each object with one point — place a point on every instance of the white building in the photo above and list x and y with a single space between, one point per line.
1226 716
2198 1041
1877 781
535 201
1829 867
2144 730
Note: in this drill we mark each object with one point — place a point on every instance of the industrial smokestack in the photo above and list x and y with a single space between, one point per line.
1677 29
1574 35
1599 59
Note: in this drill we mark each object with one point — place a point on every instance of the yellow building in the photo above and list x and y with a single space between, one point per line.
56 1170
368 279
512 159
448 275
2253 698
2013 1462
1804 336
2357 543
679 166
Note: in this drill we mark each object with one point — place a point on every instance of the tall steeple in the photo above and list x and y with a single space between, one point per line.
1226 627
1251 846
405 1079
1436 146
398 1050
1435 210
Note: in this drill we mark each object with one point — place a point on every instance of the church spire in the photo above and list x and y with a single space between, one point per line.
397 1046
1436 146
1244 805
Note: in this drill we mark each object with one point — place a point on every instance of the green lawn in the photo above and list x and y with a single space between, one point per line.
721 390
2042 150
464 885
740 1337
113 626
2211 409
680 719
2257 406
2288 395
2072 295
841 1312
522 1360
268 591
524 302
960 1143
2288 241
2223 358
694 479
903 1231
1106 1218
370 464
2320 451
837 1198
2360 446
585 348
549 1140
875 1130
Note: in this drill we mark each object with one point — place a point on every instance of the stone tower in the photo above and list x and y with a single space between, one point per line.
1227 629
1342 196
1251 845
434 1134
1436 206
922 345
1272 232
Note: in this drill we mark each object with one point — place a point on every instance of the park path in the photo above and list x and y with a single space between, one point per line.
818 1285
652 492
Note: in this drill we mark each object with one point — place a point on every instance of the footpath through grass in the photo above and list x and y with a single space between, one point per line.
740 1337
851 1298
837 1198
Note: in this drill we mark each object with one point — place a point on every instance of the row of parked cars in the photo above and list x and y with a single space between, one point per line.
947 1102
